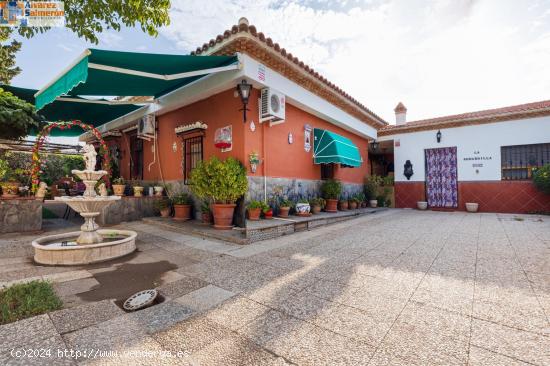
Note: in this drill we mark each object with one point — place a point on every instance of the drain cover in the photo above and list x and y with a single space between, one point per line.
140 300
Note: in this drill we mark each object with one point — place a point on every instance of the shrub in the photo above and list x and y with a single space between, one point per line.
371 186
27 299
118 181
331 189
317 201
205 206
181 199
285 203
255 204
161 204
541 178
381 201
220 181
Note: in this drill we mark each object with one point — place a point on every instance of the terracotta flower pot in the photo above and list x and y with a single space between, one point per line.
10 189
118 189
283 211
223 215
165 212
352 205
254 213
316 209
206 217
182 212
331 205
343 205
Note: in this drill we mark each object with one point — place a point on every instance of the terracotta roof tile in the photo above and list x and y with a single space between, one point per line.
521 111
244 27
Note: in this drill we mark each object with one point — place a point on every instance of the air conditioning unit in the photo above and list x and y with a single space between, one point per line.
272 106
146 126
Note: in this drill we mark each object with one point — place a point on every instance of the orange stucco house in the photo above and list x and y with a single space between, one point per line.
187 123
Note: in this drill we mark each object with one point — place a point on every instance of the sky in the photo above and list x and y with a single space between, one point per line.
438 57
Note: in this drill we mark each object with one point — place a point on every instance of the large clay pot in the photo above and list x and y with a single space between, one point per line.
206 218
422 205
352 205
223 215
118 189
472 206
254 213
10 189
331 205
182 212
373 203
343 205
316 209
283 211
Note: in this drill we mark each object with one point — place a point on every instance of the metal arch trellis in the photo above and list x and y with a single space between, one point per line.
41 138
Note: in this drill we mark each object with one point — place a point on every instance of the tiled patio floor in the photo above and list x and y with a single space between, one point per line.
399 287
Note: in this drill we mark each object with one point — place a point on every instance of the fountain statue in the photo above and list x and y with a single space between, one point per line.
91 244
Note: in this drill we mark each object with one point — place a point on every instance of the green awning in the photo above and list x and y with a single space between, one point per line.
113 73
96 112
329 147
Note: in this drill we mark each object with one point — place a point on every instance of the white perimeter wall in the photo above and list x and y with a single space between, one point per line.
471 141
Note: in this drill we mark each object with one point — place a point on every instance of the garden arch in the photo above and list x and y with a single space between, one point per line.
42 135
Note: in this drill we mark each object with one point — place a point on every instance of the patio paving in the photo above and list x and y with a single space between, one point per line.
399 287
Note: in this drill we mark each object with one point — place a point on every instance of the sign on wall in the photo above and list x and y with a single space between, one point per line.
223 138
307 137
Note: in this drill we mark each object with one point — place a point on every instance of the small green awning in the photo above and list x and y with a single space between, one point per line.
113 73
329 147
96 112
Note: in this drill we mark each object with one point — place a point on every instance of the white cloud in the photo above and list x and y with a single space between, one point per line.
438 57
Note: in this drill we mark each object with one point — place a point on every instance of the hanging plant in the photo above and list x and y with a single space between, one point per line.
45 132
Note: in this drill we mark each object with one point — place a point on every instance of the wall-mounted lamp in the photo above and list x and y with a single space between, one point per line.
244 92
374 145
438 136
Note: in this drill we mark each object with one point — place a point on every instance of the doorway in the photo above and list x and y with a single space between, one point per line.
441 177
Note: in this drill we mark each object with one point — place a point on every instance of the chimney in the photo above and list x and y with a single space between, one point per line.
400 114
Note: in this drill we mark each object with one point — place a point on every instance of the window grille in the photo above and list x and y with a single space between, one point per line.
518 161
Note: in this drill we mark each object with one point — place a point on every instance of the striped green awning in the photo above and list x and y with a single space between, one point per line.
102 73
329 147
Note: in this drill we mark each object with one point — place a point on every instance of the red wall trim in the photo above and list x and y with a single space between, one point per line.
492 196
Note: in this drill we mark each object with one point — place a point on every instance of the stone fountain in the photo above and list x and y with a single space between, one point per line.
91 244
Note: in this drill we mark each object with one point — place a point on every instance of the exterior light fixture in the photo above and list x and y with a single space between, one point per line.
438 136
244 92
374 145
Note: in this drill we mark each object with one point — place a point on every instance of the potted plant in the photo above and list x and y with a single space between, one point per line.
331 190
316 204
158 189
163 205
303 208
138 189
182 206
206 215
371 186
8 181
254 209
267 211
343 205
222 182
352 203
284 207
362 200
119 186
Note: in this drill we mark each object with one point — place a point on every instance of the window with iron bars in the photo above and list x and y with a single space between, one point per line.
518 161
192 155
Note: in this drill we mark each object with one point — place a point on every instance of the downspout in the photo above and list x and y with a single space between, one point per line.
265 161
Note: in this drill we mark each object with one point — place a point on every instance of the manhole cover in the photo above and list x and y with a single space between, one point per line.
140 300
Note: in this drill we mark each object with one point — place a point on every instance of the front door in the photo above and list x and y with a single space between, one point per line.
441 177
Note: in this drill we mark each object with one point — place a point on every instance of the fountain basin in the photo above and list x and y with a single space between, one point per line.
115 244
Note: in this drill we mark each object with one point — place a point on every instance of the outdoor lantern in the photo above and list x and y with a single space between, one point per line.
438 136
244 92
374 144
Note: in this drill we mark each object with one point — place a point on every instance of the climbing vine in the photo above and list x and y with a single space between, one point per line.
42 136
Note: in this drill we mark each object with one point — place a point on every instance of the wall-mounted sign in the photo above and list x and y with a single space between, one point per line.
307 138
223 138
252 126
174 147
290 138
